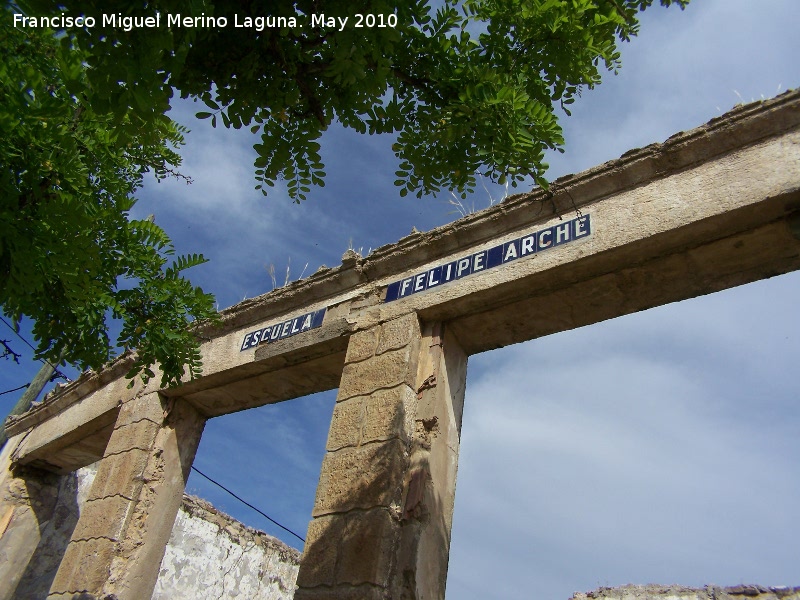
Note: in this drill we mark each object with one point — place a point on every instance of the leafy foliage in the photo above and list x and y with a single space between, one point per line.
70 256
467 86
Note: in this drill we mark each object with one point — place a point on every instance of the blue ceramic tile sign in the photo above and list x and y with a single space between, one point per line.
529 244
284 329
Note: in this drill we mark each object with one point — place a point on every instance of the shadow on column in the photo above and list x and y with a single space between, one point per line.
379 553
48 502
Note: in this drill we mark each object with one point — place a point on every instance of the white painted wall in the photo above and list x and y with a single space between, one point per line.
210 555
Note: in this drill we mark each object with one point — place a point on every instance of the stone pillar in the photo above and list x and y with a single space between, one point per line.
38 513
119 540
384 505
28 499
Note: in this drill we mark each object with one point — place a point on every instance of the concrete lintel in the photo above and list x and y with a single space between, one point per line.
734 174
739 128
330 339
65 395
734 193
692 178
569 298
292 381
709 201
76 448
73 439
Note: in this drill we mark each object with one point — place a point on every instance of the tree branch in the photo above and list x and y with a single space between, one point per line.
7 351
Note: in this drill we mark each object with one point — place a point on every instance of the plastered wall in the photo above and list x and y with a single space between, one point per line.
211 555
38 516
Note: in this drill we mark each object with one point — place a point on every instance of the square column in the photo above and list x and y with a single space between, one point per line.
29 499
384 505
119 540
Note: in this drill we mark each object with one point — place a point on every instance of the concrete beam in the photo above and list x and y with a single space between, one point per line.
76 448
736 174
76 435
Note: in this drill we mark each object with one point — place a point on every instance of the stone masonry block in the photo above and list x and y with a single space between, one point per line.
139 434
386 412
365 477
346 424
383 371
103 518
319 556
84 567
361 345
119 474
397 333
367 550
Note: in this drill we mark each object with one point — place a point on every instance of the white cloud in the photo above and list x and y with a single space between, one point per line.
684 68
585 464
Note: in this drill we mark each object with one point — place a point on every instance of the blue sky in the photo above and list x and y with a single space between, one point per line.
659 447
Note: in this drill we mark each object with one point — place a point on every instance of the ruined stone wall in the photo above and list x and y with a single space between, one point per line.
39 513
211 555
676 592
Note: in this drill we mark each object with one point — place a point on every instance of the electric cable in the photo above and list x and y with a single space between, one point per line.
42 360
22 387
271 520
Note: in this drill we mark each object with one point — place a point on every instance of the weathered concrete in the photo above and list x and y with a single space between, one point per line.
712 208
352 541
80 433
38 512
211 555
119 540
384 504
433 463
678 592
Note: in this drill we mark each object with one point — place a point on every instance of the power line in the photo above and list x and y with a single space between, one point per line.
42 360
12 328
271 520
22 387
